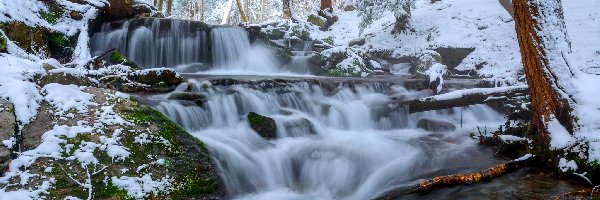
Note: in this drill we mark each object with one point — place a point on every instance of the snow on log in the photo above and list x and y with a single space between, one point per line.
465 97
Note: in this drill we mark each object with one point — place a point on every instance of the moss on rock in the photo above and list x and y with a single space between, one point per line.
264 126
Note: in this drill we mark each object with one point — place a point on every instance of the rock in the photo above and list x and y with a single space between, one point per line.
64 79
117 58
2 44
435 125
425 62
32 133
160 80
318 21
264 126
357 42
197 98
28 38
76 15
8 128
452 57
349 8
156 77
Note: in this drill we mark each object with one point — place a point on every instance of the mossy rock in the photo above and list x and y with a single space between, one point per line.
189 163
162 77
187 96
3 44
31 39
264 126
65 79
284 55
117 58
317 20
425 62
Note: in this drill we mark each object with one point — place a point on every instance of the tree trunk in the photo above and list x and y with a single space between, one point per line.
202 15
169 7
543 42
287 10
243 16
155 3
160 5
326 8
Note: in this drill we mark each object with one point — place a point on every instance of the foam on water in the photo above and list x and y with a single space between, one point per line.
335 143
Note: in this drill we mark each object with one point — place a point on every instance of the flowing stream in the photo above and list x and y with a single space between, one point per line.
335 139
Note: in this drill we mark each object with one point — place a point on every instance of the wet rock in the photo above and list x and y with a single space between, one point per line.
264 126
2 44
8 128
144 81
435 125
28 38
117 58
198 98
76 15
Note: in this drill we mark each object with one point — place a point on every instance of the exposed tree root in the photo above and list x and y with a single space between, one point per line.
459 179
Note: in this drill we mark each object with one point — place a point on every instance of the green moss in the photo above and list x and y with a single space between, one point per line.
254 118
316 20
342 73
328 40
59 39
52 14
118 58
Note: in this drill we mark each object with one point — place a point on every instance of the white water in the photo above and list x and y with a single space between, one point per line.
186 46
341 143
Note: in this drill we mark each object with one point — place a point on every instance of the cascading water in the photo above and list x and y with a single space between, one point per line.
341 142
186 46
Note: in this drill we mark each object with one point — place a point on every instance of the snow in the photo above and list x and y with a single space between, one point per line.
511 138
564 165
560 137
435 73
485 91
525 157
66 97
140 187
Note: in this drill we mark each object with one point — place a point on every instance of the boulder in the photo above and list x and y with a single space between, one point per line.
264 126
64 79
161 80
198 98
318 21
452 57
32 133
425 62
8 128
435 125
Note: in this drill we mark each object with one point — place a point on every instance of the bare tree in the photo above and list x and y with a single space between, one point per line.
169 7
287 9
202 15
243 16
544 44
160 5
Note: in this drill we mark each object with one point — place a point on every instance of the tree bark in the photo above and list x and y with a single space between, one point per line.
543 42
155 3
160 5
169 7
287 10
326 7
202 15
243 16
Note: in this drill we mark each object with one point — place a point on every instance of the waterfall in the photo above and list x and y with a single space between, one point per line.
186 46
341 142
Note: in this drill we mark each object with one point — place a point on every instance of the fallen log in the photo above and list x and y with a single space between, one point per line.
460 179
465 97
